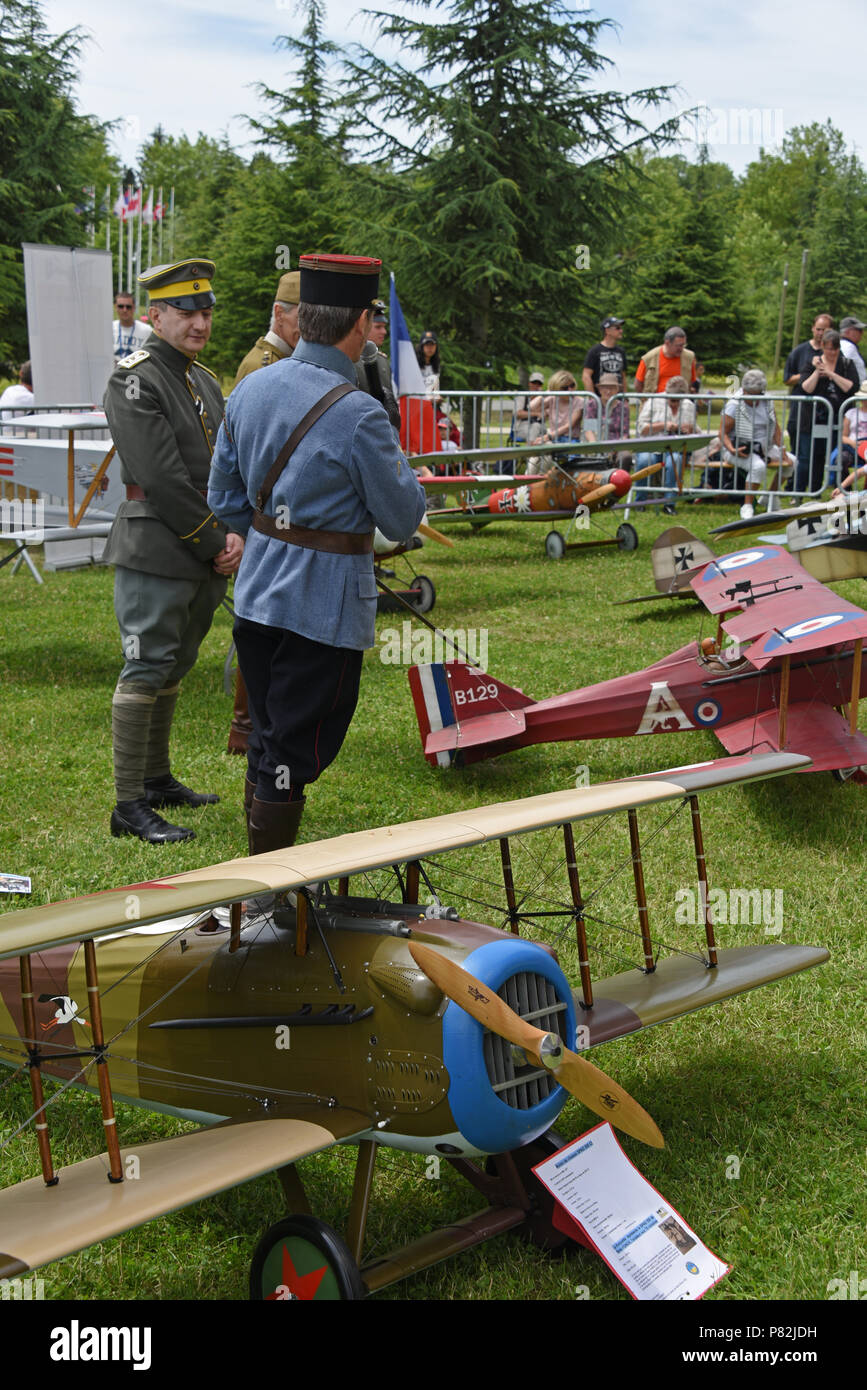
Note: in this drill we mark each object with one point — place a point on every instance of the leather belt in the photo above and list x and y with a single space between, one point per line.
134 493
335 542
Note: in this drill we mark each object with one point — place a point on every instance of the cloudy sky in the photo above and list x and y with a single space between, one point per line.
759 68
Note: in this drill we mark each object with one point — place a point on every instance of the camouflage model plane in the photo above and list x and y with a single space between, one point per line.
795 664
191 1002
829 538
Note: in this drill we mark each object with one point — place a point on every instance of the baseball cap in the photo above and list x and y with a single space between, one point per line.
851 323
611 322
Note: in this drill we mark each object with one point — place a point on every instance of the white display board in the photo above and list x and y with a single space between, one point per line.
69 316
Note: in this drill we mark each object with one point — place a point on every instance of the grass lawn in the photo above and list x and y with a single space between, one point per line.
770 1084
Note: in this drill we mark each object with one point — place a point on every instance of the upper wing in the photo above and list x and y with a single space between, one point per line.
40 1223
137 904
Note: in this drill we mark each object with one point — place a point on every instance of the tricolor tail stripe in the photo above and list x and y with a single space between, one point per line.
432 706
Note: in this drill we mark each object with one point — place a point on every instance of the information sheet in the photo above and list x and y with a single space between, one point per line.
647 1244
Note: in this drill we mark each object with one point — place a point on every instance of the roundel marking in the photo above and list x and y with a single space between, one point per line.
804 628
742 558
707 712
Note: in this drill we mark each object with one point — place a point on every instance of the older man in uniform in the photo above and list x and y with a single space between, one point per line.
172 555
310 465
282 335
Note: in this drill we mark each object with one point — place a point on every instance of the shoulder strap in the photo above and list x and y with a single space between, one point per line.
295 438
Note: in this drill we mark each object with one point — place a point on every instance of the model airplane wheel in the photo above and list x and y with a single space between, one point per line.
426 593
302 1258
555 546
858 775
627 537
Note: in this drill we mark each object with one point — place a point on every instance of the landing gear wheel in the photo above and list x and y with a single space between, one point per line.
555 546
300 1257
627 537
426 592
858 775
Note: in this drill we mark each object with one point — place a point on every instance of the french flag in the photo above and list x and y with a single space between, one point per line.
408 380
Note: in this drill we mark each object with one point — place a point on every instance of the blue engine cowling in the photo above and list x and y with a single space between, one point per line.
487 1121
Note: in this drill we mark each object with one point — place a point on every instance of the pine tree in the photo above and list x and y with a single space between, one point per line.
47 153
499 197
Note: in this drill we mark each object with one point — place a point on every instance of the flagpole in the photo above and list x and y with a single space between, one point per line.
151 227
172 227
138 249
129 245
108 218
120 243
160 228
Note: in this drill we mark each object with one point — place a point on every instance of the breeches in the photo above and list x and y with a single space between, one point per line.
163 623
302 696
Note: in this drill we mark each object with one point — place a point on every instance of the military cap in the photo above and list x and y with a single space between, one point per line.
289 288
184 285
346 282
379 314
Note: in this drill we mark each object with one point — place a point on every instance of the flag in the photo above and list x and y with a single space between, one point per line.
408 380
148 210
133 202
120 206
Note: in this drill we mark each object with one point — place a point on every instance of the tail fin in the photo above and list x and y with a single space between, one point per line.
448 694
676 554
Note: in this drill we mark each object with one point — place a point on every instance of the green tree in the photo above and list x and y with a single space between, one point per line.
685 274
494 203
49 153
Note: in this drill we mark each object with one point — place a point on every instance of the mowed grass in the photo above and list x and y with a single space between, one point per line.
768 1086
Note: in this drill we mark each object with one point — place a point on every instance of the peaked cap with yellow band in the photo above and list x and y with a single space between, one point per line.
184 285
345 282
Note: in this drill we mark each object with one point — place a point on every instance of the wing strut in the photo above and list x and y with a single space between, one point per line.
580 925
640 895
856 685
106 1100
701 865
36 1088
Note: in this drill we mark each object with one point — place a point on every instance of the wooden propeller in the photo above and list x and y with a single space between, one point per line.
432 534
607 488
578 1076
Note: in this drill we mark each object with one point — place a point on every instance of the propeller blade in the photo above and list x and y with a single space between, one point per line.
578 1076
597 494
432 534
645 472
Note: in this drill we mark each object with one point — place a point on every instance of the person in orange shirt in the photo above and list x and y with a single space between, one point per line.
671 358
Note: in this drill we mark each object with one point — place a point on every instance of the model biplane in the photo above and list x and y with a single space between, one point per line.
829 538
411 1027
795 664
573 489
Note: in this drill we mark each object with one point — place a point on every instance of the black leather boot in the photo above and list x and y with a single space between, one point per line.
139 818
168 791
249 793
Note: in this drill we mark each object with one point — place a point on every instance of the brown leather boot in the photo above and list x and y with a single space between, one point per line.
274 824
241 726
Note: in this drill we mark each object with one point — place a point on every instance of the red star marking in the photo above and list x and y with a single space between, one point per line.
302 1286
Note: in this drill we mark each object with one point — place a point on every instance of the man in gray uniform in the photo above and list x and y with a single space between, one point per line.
310 465
172 555
372 370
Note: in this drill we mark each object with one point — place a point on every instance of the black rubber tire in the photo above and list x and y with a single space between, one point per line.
427 594
627 537
555 546
304 1241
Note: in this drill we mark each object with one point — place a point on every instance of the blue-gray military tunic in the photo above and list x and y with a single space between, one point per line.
346 475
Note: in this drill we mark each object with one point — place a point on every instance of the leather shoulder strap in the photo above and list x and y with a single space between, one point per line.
319 409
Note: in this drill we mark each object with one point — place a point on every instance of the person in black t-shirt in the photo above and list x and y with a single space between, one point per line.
607 356
799 361
832 377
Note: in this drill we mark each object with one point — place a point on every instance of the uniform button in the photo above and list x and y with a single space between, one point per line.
195 540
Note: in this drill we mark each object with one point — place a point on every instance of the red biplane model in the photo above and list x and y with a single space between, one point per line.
795 664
